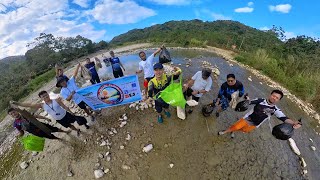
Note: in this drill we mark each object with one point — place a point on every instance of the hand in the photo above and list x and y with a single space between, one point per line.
297 125
195 92
185 86
73 92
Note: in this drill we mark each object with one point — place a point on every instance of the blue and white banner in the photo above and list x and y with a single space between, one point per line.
110 93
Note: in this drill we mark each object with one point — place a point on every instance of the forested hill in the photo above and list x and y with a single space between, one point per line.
11 59
199 33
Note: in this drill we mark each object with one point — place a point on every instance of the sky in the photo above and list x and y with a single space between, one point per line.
23 20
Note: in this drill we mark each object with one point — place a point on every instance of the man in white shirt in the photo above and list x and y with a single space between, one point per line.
199 84
146 65
68 91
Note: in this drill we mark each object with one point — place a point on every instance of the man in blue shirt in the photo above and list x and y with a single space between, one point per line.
116 65
94 74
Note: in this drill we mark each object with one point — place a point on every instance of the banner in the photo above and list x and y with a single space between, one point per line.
110 93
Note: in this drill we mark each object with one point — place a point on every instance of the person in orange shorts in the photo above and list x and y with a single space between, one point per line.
262 111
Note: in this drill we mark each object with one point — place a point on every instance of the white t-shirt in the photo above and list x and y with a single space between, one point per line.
200 83
54 110
71 86
147 66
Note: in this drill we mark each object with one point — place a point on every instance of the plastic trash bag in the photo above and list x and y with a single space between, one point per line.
33 143
164 56
242 106
283 131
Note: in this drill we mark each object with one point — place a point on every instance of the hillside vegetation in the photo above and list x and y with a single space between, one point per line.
295 62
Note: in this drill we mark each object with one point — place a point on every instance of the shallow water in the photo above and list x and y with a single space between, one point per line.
199 153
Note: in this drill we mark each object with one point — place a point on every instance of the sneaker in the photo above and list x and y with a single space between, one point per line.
190 111
220 133
87 127
232 135
217 114
160 120
167 114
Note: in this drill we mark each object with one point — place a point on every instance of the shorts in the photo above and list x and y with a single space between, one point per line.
242 125
118 73
188 93
95 79
146 82
82 105
223 102
159 104
69 118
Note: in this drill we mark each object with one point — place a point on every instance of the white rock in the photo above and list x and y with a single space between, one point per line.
294 147
310 139
171 165
70 174
305 171
121 147
100 155
125 167
147 148
125 118
260 82
106 171
107 153
108 158
120 119
24 165
128 137
303 162
98 173
114 130
313 148
123 123
34 153
103 143
249 78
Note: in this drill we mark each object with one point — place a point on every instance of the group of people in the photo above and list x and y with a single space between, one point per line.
155 81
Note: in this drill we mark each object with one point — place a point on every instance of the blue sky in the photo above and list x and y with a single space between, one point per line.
23 20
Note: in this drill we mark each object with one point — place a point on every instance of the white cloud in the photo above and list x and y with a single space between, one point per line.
244 10
265 28
250 3
172 2
2 8
290 35
28 18
82 3
220 17
116 12
282 8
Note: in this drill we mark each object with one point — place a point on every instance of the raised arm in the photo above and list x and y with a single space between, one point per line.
75 73
37 106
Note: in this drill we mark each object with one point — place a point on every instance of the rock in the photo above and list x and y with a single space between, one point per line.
103 143
147 148
310 139
125 167
108 158
97 165
114 130
305 171
106 171
107 153
249 78
165 145
70 174
98 173
34 153
123 123
100 155
125 118
24 165
294 147
303 162
121 147
128 137
171 165
313 148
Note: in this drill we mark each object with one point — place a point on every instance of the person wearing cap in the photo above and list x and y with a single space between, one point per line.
116 65
159 83
68 91
145 65
91 66
227 89
199 85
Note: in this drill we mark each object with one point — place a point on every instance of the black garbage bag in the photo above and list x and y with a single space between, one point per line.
283 131
242 106
164 56
207 110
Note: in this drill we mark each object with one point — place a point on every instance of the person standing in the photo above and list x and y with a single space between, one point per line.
146 66
116 65
91 66
159 83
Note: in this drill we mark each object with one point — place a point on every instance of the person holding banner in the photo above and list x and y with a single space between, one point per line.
91 66
159 83
22 124
68 91
57 110
145 65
